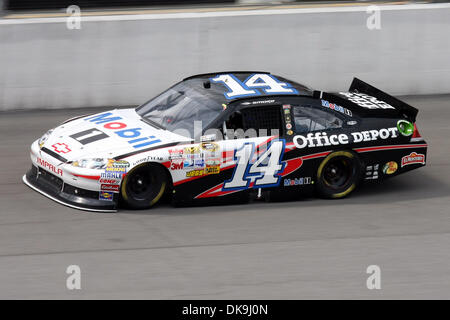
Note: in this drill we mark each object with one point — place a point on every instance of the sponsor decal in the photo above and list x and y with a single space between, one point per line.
195 157
147 159
406 128
211 162
192 150
106 196
194 163
373 135
110 187
133 136
322 139
61 148
177 164
213 152
192 157
390 167
199 163
372 172
212 170
335 107
195 173
109 181
209 146
202 172
287 116
413 158
111 175
117 164
297 182
46 165
188 164
123 170
176 154
366 101
246 103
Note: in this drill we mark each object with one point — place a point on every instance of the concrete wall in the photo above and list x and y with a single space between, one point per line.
125 62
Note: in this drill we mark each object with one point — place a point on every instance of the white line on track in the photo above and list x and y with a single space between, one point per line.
212 14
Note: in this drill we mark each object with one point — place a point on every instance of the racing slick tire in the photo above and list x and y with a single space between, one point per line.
144 186
338 174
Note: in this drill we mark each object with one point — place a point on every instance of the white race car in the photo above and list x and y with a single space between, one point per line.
227 136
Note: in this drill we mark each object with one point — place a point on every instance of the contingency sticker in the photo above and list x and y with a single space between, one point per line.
106 196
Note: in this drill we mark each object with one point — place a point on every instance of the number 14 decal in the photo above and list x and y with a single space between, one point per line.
268 83
261 173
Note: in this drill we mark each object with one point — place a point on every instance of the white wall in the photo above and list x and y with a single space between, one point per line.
126 62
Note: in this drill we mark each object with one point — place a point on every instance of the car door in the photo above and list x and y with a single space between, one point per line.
316 126
252 150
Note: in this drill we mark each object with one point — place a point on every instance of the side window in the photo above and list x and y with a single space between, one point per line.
308 119
254 122
235 121
262 118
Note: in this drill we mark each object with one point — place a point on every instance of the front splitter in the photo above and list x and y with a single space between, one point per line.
60 201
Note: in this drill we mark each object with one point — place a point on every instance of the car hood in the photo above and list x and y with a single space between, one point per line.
107 134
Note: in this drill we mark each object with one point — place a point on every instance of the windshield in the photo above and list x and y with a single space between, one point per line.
177 108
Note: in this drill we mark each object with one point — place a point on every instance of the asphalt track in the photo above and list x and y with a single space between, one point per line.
310 248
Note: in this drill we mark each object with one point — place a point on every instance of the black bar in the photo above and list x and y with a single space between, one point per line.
60 4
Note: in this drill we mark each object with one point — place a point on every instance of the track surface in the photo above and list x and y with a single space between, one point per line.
310 248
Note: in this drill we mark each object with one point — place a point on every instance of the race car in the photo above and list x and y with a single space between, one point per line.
227 137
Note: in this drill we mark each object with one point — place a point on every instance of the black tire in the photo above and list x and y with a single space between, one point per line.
144 186
338 174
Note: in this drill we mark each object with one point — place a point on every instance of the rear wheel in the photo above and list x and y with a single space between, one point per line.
144 186
338 174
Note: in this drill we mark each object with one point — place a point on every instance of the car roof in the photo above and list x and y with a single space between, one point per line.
301 90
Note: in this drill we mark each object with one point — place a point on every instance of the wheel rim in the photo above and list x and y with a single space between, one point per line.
141 185
337 173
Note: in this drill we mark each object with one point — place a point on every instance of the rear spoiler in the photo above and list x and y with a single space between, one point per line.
404 109
401 108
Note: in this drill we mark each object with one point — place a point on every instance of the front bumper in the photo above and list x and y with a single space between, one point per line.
56 189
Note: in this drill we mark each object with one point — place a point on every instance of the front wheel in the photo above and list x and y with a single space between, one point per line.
338 174
144 186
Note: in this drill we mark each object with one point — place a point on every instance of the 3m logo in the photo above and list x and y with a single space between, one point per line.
61 147
178 165
413 158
